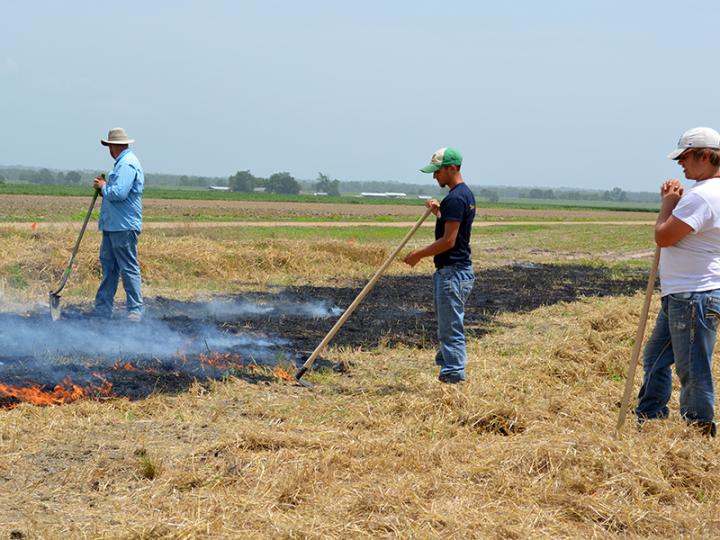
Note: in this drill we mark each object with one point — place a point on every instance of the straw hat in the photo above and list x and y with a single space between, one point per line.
116 136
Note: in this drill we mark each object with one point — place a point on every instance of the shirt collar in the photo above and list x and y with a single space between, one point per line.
122 154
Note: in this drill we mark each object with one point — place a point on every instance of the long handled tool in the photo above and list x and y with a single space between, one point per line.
638 341
344 317
55 310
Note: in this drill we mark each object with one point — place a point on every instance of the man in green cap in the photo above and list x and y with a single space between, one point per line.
453 278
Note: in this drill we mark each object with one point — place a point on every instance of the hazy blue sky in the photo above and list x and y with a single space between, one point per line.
591 94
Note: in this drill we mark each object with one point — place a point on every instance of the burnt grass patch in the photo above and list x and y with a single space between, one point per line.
399 309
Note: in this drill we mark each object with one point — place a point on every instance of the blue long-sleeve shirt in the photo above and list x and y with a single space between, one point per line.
122 195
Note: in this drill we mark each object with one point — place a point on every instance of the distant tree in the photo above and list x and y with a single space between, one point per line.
618 194
489 194
324 184
535 193
43 176
242 181
2 179
283 182
60 178
73 177
185 181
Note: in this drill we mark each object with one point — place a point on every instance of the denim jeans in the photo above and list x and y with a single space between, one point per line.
684 334
451 288
118 258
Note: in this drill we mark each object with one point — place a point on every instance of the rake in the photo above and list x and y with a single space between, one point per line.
344 317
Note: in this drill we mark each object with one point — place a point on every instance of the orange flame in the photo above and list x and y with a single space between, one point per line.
280 373
62 393
127 366
221 360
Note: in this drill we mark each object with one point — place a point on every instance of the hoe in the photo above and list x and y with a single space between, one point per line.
638 342
55 310
344 317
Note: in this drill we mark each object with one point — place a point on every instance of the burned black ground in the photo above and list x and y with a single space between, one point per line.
399 310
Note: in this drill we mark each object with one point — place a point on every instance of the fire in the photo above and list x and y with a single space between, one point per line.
280 373
127 366
221 360
61 394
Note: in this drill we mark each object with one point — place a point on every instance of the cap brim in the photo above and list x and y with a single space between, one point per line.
676 153
108 143
430 168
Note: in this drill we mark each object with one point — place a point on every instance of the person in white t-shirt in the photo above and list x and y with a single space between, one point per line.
688 232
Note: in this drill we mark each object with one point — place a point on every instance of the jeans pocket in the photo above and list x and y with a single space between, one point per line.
711 309
465 288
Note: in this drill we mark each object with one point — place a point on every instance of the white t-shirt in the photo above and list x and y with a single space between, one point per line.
693 264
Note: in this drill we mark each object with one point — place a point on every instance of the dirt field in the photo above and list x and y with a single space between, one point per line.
22 208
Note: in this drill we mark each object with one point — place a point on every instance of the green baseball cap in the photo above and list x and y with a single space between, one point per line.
444 156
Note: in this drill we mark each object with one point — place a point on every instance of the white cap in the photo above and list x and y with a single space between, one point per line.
699 137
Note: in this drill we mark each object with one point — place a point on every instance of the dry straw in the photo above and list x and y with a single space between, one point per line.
525 449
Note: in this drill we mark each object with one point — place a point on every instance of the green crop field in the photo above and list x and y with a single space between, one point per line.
181 193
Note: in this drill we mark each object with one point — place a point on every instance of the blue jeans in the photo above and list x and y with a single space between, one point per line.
451 288
118 258
684 334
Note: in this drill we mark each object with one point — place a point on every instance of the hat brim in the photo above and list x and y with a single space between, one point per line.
108 143
676 153
430 168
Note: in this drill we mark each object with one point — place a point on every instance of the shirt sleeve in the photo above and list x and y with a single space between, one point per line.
453 209
694 211
120 183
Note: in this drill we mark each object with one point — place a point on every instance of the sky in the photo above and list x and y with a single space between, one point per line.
578 94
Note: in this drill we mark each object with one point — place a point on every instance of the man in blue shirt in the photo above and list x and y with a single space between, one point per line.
120 223
453 278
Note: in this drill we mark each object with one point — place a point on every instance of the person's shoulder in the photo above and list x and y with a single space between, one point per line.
707 190
131 160
465 191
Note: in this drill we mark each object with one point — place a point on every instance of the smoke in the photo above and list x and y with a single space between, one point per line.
37 336
233 309
183 341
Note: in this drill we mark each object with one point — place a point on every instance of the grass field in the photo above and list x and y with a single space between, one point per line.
525 449
55 208
179 193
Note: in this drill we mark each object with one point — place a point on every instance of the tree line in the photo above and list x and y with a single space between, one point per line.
285 183
280 182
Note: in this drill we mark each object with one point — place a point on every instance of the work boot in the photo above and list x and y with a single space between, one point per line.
709 429
450 379
134 316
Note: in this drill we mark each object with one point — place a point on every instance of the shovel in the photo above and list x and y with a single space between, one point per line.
344 317
55 310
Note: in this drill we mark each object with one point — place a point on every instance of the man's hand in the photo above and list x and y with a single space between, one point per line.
670 192
412 258
99 183
669 230
434 206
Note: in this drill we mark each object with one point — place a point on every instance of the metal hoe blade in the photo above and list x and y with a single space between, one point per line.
309 362
55 294
55 310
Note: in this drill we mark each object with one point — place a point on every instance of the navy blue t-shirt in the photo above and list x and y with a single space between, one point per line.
458 205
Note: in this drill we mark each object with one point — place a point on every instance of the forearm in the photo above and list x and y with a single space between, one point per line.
436 248
666 209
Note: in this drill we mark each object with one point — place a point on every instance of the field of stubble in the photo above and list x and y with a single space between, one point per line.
525 448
